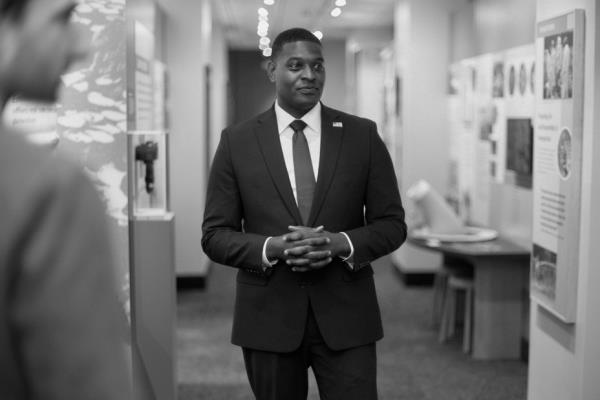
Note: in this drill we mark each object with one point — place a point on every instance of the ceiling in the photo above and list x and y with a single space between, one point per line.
240 17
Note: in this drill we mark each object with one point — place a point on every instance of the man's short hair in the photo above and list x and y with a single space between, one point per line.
12 8
290 36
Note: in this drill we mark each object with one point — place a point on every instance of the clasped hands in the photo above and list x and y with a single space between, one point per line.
306 249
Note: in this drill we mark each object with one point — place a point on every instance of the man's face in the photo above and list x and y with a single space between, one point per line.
299 76
40 45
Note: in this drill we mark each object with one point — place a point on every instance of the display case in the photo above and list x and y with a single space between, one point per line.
152 270
148 178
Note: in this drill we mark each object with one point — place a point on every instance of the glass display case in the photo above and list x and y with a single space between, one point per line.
148 173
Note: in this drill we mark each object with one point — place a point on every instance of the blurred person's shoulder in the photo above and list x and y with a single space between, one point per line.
23 162
30 174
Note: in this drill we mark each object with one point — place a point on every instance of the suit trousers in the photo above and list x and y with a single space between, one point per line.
349 374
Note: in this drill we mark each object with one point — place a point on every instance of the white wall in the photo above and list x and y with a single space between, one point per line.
220 65
189 45
369 74
334 94
365 72
564 359
424 47
421 31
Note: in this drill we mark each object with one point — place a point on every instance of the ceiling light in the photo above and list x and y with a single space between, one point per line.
263 12
267 52
263 18
340 3
263 25
318 34
269 2
263 46
265 40
336 12
262 33
353 46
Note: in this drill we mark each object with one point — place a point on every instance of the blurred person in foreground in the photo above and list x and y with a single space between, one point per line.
61 325
301 199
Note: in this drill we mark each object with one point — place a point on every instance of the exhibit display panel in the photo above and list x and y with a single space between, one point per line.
151 224
557 163
476 121
490 112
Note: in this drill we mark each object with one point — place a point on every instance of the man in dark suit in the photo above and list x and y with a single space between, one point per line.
302 208
61 325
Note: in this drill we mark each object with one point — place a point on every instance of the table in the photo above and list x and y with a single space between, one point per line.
500 272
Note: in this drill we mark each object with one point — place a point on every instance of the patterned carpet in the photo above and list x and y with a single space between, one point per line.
412 365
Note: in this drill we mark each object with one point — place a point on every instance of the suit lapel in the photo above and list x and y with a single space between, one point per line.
270 146
332 132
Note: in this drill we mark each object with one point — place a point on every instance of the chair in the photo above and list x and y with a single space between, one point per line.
440 287
455 284
451 266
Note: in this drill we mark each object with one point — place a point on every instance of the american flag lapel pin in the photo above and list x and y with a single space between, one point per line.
338 124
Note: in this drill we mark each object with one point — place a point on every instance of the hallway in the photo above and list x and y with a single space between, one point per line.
412 364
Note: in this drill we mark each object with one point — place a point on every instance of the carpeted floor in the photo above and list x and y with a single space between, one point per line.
412 364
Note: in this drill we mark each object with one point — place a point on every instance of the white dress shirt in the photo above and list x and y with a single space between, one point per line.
312 132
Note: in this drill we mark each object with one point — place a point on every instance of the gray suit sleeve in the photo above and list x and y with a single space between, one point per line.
224 239
385 228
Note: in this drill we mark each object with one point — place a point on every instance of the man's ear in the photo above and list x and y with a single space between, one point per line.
271 70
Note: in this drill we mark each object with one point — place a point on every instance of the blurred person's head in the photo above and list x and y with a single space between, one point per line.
38 42
297 69
12 7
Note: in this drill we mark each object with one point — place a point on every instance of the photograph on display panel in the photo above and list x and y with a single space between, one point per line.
512 77
498 80
532 78
522 79
519 150
558 66
543 271
564 156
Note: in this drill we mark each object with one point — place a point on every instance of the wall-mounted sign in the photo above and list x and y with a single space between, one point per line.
557 163
140 91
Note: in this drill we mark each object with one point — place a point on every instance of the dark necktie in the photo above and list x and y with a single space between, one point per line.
305 177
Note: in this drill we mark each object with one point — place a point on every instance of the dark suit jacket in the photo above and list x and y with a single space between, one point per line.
61 326
250 197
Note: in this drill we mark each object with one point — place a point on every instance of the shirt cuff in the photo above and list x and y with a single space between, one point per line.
265 261
349 260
